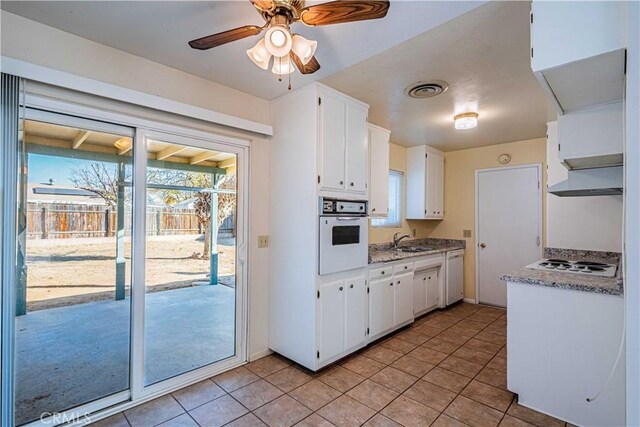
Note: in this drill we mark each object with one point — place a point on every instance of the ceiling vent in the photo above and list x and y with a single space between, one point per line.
426 89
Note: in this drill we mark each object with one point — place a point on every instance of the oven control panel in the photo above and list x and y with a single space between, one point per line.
342 207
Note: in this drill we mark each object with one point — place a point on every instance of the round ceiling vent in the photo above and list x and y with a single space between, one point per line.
426 89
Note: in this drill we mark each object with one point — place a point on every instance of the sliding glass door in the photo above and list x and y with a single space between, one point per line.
72 299
190 273
130 264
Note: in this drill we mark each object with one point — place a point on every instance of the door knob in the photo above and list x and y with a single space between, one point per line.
482 245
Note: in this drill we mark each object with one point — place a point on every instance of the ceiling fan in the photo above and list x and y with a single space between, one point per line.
288 48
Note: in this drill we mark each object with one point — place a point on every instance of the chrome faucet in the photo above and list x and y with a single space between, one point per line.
397 239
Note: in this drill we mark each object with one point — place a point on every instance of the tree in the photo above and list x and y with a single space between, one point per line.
226 207
102 179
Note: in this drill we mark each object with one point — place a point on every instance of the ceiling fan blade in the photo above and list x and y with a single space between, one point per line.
340 11
263 5
311 67
218 39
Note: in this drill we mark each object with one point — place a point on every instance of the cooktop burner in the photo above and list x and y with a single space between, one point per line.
575 267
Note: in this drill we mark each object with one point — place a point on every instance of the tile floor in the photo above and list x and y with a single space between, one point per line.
447 369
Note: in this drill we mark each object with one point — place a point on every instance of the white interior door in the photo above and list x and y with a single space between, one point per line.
509 212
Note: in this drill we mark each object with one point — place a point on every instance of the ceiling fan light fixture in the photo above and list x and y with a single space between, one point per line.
282 66
303 48
466 121
260 55
278 41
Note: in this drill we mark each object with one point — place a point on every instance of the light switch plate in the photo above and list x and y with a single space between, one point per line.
466 233
263 241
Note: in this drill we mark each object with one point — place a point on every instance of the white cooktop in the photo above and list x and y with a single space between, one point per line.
575 267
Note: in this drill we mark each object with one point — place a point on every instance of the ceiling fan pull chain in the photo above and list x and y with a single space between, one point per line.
290 81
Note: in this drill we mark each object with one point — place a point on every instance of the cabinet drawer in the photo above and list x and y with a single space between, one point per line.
406 267
381 273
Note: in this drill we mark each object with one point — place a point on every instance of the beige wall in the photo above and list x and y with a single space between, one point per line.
38 44
459 196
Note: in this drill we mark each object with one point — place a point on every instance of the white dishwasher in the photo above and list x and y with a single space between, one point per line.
454 279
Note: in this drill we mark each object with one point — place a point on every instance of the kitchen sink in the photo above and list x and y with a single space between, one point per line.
414 249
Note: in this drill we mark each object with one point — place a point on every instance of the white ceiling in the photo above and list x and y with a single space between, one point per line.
483 55
160 30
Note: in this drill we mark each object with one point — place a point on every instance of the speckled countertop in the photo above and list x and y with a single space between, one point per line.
382 252
577 282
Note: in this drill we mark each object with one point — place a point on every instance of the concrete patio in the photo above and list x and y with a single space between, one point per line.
71 355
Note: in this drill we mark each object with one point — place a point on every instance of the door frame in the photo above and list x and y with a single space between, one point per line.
538 167
41 107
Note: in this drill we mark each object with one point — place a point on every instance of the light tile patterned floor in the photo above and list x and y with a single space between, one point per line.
447 369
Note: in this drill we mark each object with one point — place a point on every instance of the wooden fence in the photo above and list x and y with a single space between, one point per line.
66 221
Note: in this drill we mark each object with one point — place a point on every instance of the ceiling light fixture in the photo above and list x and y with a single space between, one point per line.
305 49
466 121
278 41
260 55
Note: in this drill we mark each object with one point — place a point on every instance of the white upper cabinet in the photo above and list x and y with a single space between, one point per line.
425 183
343 143
378 171
577 51
333 120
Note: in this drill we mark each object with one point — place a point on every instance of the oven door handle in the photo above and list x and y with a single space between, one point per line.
349 218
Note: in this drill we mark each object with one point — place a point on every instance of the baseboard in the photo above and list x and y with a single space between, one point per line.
470 300
259 354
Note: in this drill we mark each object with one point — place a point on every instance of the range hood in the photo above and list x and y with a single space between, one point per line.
590 182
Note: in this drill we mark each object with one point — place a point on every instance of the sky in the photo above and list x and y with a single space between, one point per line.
43 167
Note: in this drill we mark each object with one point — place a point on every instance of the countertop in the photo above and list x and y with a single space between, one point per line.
576 282
383 253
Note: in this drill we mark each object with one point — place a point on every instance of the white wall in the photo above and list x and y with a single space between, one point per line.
43 45
38 44
632 215
593 223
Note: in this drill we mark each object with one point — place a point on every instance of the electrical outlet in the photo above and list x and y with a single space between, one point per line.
263 241
466 233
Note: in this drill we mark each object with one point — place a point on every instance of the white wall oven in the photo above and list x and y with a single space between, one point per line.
344 237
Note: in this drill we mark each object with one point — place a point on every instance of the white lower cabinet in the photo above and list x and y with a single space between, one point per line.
356 312
332 313
380 307
425 291
343 316
403 299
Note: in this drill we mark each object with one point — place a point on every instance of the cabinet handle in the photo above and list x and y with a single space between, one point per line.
398 282
425 279
351 184
341 182
405 267
391 284
340 287
351 286
382 271
373 209
429 277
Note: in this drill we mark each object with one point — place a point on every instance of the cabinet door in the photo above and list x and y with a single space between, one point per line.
403 299
356 312
432 288
431 185
332 313
380 306
357 149
332 141
419 293
378 172
439 185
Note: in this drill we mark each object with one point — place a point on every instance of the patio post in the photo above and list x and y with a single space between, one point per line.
120 262
213 256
